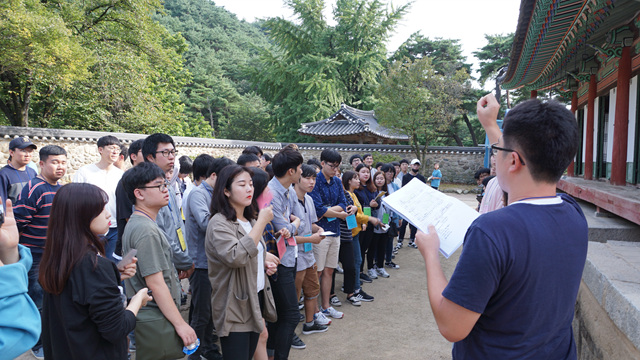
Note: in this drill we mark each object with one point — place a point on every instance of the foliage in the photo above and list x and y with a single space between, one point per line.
221 48
417 100
313 67
250 121
130 67
445 53
494 59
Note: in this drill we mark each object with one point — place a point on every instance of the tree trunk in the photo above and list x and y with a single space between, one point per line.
16 107
473 134
498 92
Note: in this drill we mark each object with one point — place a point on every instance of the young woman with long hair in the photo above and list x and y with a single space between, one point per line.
83 312
381 232
236 255
366 195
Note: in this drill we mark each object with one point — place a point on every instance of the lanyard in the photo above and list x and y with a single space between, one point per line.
18 172
145 214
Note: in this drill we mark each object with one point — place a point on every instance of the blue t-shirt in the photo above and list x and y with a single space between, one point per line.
434 174
12 181
327 194
521 268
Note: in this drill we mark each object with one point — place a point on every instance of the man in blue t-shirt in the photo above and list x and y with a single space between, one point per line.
435 177
16 174
513 292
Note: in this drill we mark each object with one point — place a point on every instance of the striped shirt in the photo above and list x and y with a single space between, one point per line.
32 214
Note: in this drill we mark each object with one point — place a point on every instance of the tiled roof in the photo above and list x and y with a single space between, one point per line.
350 121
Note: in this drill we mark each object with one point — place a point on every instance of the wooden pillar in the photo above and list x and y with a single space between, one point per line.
534 94
588 141
621 124
574 108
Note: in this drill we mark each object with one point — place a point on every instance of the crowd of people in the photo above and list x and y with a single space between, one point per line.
259 239
98 267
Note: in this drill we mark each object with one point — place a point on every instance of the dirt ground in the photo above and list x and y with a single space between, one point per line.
397 325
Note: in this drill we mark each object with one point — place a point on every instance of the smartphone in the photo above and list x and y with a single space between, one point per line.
127 259
1 214
149 292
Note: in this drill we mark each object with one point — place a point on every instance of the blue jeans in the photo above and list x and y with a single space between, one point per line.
284 295
110 240
357 259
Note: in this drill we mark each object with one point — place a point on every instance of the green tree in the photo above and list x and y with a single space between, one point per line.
249 119
131 69
445 53
494 59
313 67
417 100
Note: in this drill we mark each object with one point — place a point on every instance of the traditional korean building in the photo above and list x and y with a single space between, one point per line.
591 51
351 126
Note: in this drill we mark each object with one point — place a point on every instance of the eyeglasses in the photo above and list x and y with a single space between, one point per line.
162 187
112 149
167 152
495 148
333 166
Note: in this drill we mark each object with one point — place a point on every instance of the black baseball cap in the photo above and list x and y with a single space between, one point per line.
21 143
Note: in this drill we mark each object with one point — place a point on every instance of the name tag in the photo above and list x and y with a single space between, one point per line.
183 245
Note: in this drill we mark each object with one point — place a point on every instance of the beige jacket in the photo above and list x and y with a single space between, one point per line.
233 268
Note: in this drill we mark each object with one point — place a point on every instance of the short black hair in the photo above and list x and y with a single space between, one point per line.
315 162
269 170
139 176
220 202
218 164
308 171
330 156
486 180
379 163
404 161
108 140
201 165
134 148
389 168
150 145
355 156
186 164
366 156
266 157
545 134
284 160
253 150
395 163
482 170
51 150
124 150
245 158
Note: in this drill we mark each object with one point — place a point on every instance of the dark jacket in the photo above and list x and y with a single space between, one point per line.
88 319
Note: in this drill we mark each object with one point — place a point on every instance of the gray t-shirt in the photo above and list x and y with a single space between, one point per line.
308 216
154 255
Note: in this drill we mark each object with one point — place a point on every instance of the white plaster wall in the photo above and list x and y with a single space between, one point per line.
633 96
610 125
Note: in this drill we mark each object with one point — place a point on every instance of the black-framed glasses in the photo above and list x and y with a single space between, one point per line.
166 153
495 148
334 165
160 187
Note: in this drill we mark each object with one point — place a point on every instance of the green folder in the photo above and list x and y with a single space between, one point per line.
385 218
366 211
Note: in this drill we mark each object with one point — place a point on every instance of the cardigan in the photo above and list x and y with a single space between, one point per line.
233 273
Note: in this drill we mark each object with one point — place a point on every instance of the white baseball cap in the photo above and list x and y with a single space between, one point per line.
415 161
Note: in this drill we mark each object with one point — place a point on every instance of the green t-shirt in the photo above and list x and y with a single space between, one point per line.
154 255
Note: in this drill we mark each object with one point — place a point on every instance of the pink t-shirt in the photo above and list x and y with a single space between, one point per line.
492 199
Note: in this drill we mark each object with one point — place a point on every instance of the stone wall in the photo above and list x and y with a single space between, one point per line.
458 164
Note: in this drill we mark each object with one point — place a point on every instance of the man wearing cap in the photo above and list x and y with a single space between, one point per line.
414 173
16 174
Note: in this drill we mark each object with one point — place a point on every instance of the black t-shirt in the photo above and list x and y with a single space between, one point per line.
124 209
409 176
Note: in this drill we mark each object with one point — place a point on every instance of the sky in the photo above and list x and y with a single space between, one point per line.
467 20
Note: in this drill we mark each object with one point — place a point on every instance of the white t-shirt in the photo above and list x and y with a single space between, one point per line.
105 180
247 227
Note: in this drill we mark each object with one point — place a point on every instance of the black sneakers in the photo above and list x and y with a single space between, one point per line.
311 329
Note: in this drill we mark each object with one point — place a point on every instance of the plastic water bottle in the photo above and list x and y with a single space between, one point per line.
191 348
